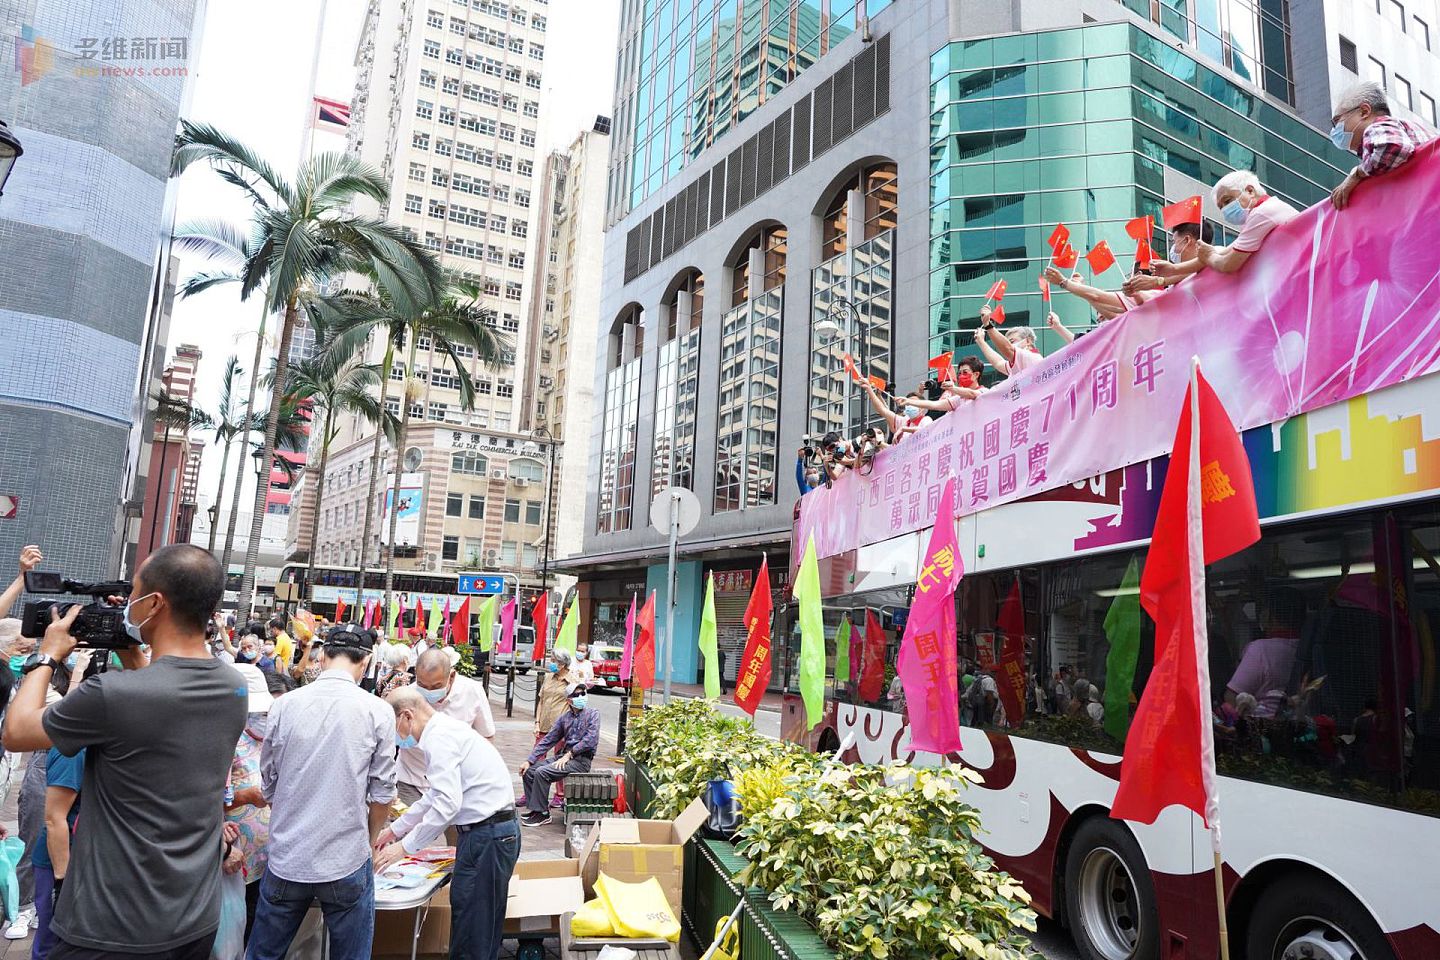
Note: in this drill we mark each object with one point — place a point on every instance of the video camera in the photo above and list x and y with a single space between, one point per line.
99 624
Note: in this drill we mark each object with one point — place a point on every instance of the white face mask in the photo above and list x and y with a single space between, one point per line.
132 629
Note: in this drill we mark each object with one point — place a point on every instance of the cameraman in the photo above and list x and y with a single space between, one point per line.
144 873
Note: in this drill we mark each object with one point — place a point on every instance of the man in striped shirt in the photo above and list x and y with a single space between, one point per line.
1362 124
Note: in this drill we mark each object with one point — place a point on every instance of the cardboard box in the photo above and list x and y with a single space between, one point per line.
634 850
395 928
540 891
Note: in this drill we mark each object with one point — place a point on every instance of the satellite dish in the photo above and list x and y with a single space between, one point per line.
676 498
413 457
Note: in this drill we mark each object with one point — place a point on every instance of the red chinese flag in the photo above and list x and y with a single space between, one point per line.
1186 211
1059 237
998 314
645 645
339 609
540 617
1141 228
1207 512
1010 671
1066 258
419 616
754 676
1143 254
850 368
1044 290
460 623
1100 258
997 290
872 662
941 362
877 382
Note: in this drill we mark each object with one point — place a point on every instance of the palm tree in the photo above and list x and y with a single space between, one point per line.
300 235
332 382
226 423
452 321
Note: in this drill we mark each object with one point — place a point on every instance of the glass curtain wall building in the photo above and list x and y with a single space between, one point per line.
1090 127
622 416
677 386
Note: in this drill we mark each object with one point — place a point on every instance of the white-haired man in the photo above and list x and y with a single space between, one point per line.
1362 125
1245 206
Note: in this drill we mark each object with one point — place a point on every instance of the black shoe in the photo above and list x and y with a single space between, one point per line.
533 819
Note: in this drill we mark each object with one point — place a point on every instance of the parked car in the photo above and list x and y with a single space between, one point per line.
523 657
606 660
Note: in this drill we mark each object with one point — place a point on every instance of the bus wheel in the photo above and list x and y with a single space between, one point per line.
1310 918
1109 897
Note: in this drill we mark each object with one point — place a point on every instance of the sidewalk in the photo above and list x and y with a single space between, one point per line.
772 701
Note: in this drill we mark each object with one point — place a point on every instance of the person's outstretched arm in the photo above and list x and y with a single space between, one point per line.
1000 363
1054 321
1104 300
30 558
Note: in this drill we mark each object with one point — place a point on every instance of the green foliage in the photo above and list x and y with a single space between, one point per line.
882 860
466 667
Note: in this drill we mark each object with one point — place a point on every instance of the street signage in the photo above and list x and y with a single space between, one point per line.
481 584
9 506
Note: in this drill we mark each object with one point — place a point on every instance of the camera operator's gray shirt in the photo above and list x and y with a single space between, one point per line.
145 867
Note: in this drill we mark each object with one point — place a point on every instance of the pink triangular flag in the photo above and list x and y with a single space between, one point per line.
507 628
628 656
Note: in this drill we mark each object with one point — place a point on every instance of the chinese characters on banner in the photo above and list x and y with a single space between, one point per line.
1326 318
754 674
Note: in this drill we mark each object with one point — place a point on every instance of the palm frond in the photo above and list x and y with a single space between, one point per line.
203 280
333 180
217 239
202 142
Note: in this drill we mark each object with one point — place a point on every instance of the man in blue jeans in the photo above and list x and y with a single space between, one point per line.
328 772
470 789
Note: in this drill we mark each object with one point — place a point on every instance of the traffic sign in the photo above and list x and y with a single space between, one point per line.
481 584
9 506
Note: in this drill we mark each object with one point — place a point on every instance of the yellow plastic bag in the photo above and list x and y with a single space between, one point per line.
728 948
592 920
638 909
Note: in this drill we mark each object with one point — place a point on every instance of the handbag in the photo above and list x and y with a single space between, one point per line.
722 804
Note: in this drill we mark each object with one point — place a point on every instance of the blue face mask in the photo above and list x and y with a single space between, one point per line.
912 411
553 667
17 664
1340 136
1234 214
432 696
578 702
131 627
405 743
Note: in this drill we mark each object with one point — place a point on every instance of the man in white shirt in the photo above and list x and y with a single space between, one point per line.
459 698
471 790
1244 206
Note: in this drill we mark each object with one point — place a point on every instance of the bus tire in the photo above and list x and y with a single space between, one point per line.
1312 917
1109 897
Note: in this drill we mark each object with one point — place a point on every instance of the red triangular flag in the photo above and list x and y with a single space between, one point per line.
539 618
1044 290
1100 258
1207 512
1059 237
997 315
460 623
339 609
1066 258
872 660
1141 228
754 676
850 368
1186 211
1143 254
419 617
645 645
627 653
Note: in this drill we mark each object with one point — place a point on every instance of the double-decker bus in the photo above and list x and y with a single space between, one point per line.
1325 696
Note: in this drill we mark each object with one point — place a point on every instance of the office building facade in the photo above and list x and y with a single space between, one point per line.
895 159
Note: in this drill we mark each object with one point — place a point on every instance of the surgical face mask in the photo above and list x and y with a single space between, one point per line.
579 702
1340 136
965 378
553 667
912 411
1234 214
405 742
131 627
432 696
581 654
70 661
1175 255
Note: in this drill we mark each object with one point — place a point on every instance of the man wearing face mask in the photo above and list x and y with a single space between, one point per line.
152 892
327 769
1362 125
1185 241
579 727
469 793
1245 206
457 697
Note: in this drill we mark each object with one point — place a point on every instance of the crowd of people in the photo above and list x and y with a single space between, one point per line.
313 759
1362 124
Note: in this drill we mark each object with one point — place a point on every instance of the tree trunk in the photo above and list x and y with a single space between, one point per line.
399 466
389 359
319 499
219 494
245 437
267 456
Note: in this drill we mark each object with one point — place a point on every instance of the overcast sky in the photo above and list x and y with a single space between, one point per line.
252 78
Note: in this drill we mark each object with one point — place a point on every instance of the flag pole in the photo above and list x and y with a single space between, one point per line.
1196 547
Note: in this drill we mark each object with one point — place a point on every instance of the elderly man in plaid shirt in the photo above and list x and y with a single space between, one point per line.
1363 125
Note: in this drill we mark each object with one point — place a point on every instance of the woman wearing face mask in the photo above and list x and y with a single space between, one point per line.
1244 206
245 805
908 415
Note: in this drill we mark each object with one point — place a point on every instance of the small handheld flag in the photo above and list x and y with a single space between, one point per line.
1044 290
1141 228
998 314
1186 211
850 367
941 362
996 291
1066 258
1059 237
877 382
1143 255
1100 258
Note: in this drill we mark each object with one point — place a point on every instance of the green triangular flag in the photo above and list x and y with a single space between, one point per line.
434 626
842 651
812 636
1122 629
569 631
395 615
708 648
487 623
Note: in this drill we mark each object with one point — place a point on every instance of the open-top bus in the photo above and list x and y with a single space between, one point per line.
1322 634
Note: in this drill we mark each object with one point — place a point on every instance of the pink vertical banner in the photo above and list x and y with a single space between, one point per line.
445 622
927 651
507 628
627 657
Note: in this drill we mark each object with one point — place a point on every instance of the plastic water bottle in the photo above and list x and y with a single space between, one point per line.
229 794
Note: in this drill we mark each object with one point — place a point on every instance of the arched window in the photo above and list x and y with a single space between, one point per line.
622 421
676 384
852 298
748 426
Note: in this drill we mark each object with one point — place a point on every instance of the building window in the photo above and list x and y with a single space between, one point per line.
424 109
1349 59
504 388
1421 31
621 422
772 241
454 504
1394 11
747 431
530 556
477 507
450 548
1427 109
507 552
1377 71
432 49
469 463
417 172
532 512
1403 92
677 386
512 511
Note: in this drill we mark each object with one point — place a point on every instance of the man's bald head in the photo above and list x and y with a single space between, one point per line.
433 668
407 698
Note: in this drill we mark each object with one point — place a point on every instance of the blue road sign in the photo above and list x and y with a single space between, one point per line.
480 584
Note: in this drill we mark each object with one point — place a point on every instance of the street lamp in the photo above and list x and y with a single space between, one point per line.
10 151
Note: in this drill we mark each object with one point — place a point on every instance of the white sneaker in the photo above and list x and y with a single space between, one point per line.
19 928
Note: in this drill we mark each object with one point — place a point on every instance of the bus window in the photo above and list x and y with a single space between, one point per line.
1419 543
998 621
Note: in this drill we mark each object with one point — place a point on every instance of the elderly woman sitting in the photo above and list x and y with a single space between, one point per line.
1245 206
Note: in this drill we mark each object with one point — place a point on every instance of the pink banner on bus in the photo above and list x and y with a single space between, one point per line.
1336 304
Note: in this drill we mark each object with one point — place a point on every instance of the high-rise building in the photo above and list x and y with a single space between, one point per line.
93 95
793 182
446 105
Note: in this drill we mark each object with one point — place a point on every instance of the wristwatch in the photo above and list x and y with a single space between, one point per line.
38 659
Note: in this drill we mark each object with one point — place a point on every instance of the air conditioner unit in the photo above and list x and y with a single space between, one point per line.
497 474
521 482
491 556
